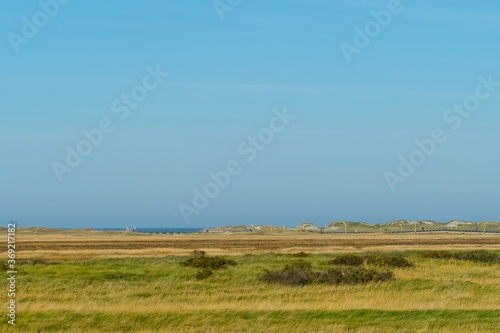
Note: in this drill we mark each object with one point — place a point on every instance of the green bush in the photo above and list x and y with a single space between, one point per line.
371 259
300 273
203 261
206 264
438 254
475 256
385 260
4 266
354 275
479 256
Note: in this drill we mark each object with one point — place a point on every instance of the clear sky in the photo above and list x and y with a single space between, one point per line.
69 67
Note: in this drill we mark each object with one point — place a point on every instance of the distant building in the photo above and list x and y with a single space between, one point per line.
130 229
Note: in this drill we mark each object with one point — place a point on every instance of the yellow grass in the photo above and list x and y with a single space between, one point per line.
147 284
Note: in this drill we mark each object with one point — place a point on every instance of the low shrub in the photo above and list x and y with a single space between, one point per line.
206 264
203 261
372 259
479 256
354 275
438 254
475 256
294 277
300 273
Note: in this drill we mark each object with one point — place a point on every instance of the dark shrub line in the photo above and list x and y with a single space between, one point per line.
300 273
377 259
475 256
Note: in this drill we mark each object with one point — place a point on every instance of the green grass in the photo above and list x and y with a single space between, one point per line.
159 295
269 321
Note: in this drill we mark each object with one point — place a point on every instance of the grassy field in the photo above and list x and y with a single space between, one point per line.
69 289
86 244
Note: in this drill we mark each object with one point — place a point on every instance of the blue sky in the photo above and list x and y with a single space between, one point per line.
225 78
